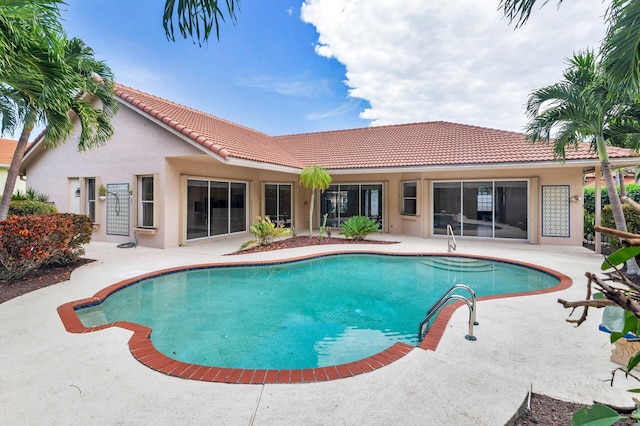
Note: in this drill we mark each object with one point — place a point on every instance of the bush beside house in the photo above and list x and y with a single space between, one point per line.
29 242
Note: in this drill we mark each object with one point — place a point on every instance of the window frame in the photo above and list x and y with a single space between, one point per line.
90 199
404 197
143 202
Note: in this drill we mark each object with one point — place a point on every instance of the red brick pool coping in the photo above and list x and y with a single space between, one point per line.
143 350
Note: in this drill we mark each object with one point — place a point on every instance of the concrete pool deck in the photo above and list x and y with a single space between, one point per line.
49 376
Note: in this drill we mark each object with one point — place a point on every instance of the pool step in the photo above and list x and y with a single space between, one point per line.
459 264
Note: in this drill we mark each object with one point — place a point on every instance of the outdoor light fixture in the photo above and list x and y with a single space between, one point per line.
77 192
576 198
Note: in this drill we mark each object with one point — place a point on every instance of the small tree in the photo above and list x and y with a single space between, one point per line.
314 177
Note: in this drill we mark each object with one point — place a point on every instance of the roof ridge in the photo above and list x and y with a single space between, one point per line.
386 126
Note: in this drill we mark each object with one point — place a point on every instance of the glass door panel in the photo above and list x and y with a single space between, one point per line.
446 207
511 210
271 201
371 203
197 208
219 208
330 200
285 193
238 213
277 203
477 209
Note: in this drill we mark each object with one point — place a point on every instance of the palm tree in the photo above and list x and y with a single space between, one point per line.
58 88
621 45
585 105
196 18
314 177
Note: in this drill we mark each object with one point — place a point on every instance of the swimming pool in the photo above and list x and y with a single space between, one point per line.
304 315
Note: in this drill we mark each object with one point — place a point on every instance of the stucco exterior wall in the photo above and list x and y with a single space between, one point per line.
143 147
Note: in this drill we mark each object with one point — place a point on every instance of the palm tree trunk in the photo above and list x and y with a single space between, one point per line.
616 209
313 194
14 171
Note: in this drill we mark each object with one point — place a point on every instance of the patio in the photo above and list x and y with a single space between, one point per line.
49 376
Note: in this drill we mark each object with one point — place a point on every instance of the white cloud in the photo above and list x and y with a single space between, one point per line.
455 61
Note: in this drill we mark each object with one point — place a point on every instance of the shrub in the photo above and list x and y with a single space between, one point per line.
30 208
28 242
265 232
633 192
632 218
358 227
589 223
81 232
31 195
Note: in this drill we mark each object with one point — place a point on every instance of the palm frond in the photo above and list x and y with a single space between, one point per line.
196 18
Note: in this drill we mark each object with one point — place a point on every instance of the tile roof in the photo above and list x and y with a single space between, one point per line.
220 136
7 149
435 143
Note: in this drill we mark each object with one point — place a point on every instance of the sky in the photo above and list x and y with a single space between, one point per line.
289 67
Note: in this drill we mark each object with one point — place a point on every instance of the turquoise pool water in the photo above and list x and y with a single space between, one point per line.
304 314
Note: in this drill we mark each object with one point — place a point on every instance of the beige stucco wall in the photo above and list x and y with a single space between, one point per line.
143 147
420 225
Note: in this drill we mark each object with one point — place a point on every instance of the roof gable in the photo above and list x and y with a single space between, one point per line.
222 137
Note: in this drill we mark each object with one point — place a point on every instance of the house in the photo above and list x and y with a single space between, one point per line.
174 175
7 148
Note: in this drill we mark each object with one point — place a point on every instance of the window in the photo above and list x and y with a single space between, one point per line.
410 198
91 198
146 207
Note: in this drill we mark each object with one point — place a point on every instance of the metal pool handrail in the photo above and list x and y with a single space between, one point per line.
424 326
451 239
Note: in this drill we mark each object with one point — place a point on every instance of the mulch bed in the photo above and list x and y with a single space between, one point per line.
37 279
301 241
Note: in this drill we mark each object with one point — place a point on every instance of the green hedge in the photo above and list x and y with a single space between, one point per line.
30 208
631 215
633 192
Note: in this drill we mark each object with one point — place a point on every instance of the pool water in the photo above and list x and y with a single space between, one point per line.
303 314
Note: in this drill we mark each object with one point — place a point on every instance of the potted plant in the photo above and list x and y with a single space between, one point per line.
102 192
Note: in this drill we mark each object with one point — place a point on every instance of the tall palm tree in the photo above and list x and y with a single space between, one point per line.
621 45
314 177
72 81
196 18
585 106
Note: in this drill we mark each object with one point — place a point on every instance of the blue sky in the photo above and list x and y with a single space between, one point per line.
293 67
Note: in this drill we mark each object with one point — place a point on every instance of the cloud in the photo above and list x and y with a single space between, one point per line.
287 87
455 61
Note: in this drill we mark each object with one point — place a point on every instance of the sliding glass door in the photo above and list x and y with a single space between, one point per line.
340 202
215 208
490 209
278 202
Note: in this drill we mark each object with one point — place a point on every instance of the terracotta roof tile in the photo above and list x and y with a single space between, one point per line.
423 144
222 137
435 143
7 149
